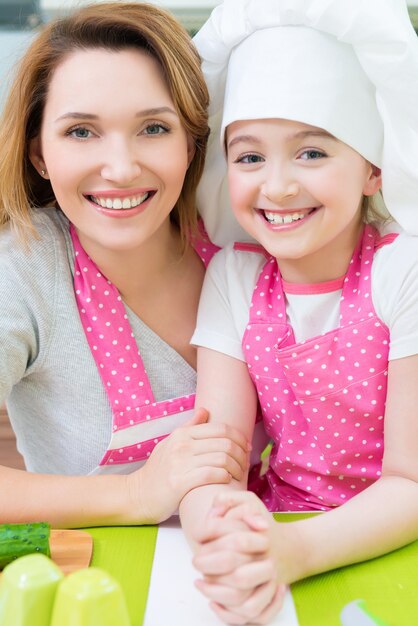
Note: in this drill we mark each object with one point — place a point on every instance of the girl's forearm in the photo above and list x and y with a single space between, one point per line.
195 507
66 501
382 518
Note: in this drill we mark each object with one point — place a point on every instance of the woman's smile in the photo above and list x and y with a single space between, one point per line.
120 205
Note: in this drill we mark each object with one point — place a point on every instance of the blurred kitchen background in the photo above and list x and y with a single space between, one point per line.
20 19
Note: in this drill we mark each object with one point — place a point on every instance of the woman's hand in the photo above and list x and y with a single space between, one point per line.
236 556
198 453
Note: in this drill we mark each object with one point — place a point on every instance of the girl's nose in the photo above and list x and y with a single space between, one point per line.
121 164
279 185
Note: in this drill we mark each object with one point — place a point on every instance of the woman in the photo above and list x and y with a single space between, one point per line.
106 127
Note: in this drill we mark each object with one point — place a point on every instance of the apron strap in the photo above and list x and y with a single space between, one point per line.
109 334
203 245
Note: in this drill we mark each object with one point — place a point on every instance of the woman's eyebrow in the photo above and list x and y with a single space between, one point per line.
78 115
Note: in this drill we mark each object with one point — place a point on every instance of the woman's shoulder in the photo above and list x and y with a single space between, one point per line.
45 253
49 235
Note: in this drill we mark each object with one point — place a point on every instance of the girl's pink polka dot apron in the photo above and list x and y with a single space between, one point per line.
139 422
323 399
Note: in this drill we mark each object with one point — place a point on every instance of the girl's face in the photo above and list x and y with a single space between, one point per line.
298 191
113 147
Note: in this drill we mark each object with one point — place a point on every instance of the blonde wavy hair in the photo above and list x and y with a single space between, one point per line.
113 26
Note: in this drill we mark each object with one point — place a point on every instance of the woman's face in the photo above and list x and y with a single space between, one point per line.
113 147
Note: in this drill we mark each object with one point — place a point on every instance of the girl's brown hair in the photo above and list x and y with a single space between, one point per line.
113 26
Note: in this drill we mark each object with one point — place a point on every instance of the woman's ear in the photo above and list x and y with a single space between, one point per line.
36 158
374 181
191 149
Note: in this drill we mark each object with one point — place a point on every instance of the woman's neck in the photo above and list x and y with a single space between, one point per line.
137 269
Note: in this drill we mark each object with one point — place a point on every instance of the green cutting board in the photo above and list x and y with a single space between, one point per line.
127 552
388 584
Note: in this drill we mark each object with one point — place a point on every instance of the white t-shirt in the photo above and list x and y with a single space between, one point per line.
232 275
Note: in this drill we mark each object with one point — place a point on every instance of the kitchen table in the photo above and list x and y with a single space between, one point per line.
153 566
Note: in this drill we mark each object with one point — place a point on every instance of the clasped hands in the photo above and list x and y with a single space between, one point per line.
236 555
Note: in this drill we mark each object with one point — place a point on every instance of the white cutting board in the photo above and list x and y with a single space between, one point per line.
173 598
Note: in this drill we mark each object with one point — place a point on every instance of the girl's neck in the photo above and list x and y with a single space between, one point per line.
324 265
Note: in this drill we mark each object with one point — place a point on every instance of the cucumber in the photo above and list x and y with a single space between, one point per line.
19 539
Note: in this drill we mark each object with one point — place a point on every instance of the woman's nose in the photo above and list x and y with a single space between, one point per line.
121 163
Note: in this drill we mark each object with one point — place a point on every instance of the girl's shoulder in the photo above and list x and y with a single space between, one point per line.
399 250
238 254
238 264
395 292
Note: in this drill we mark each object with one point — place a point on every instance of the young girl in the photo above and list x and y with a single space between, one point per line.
318 320
102 144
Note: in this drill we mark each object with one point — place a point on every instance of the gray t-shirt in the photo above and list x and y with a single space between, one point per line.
54 395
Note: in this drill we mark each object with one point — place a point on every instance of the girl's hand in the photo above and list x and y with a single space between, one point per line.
196 454
237 560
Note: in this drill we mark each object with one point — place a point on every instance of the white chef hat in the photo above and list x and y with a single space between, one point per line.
348 67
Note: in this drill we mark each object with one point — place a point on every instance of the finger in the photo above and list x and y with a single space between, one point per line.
237 540
257 602
266 616
200 476
217 528
254 520
221 563
221 594
237 505
224 431
227 615
249 575
234 499
200 416
219 459
251 617
222 446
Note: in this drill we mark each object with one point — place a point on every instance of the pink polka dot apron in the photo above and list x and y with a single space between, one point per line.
323 399
139 422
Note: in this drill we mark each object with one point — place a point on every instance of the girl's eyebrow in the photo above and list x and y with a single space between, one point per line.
302 134
244 139
78 115
312 133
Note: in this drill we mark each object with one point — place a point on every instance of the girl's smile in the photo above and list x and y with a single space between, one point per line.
279 220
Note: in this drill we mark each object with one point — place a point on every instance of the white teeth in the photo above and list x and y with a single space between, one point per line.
276 218
120 203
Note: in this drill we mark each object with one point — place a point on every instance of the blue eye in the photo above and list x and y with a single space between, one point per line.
79 132
312 155
155 129
250 159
